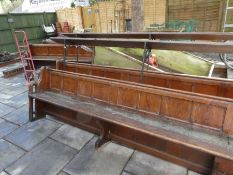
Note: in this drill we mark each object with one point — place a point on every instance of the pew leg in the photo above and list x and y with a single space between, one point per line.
222 167
104 134
31 109
39 109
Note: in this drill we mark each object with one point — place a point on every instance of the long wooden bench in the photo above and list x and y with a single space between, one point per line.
203 85
192 130
58 50
48 54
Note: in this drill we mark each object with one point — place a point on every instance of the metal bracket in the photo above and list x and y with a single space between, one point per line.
225 60
77 52
65 54
146 53
151 37
65 50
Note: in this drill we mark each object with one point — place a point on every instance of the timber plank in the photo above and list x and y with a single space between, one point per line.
203 85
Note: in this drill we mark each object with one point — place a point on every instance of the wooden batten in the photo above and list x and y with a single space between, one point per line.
207 14
41 50
89 22
154 12
110 15
71 15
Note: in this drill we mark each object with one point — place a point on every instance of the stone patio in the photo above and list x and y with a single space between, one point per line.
50 147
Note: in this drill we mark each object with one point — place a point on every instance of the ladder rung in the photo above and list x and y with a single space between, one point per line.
228 25
27 58
29 70
23 46
229 8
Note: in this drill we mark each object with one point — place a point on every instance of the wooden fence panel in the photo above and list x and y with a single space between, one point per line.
207 13
154 12
31 23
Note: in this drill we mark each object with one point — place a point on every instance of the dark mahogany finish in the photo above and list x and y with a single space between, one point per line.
212 36
190 129
58 50
197 46
195 84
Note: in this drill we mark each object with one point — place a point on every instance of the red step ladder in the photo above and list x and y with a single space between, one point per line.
25 55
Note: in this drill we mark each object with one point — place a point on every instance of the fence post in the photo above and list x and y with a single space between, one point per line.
10 21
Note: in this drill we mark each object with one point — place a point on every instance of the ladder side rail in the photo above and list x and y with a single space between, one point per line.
28 51
21 55
26 58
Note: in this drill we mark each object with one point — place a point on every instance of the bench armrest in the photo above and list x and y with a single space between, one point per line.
32 87
39 85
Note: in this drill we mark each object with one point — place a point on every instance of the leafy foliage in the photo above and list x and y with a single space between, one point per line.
72 5
93 2
9 5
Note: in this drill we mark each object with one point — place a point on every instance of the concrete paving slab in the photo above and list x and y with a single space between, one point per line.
11 83
8 154
61 173
15 81
2 86
193 173
72 136
5 109
47 158
5 97
17 78
6 128
54 119
32 133
109 159
144 164
4 173
16 101
19 116
6 81
11 90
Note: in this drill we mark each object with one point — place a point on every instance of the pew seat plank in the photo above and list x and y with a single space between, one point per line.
181 133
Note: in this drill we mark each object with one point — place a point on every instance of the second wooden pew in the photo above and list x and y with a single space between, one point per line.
192 130
195 84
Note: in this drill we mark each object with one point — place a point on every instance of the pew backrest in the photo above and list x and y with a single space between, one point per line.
204 111
202 85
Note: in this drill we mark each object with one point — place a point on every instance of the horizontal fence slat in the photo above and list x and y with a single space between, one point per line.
31 23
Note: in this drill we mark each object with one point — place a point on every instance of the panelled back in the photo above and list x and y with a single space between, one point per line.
202 85
197 109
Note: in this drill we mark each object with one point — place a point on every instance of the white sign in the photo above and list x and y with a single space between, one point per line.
81 2
50 5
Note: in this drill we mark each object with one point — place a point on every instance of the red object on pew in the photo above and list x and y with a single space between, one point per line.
153 60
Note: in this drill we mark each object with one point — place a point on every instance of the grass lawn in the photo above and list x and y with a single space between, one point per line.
109 58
